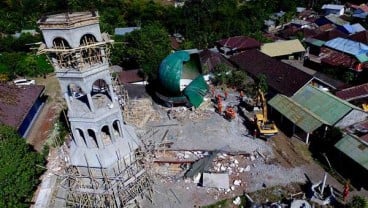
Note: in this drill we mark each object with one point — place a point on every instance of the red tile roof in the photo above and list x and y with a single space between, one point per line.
353 93
239 43
130 76
282 77
16 102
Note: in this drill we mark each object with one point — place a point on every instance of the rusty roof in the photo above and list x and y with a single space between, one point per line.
130 76
16 102
282 77
354 92
361 37
330 34
239 43
211 59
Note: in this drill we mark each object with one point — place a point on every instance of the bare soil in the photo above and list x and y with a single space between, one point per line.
49 113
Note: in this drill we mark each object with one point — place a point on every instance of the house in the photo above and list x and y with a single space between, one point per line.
345 53
357 95
288 49
281 77
314 43
133 76
352 158
359 11
121 31
237 44
312 109
333 9
361 37
210 60
19 106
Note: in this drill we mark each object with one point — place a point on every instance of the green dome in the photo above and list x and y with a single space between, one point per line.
171 69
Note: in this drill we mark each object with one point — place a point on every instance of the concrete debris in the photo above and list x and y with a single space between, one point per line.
237 201
237 182
216 180
247 168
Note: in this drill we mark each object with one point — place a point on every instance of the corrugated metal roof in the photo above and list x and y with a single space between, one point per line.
314 42
282 48
239 43
353 93
355 149
357 49
301 117
335 19
323 104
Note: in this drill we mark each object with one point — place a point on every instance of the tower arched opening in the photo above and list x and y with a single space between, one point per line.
106 136
116 128
90 52
93 138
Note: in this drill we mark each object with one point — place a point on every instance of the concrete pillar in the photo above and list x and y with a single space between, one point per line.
67 99
307 139
112 134
90 102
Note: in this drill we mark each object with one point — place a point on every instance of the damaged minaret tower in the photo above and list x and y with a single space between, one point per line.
103 167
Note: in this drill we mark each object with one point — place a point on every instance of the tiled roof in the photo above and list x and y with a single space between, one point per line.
280 76
353 93
16 102
329 35
130 76
211 59
361 37
239 43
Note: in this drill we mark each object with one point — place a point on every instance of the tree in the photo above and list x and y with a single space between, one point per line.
19 169
357 202
262 83
149 46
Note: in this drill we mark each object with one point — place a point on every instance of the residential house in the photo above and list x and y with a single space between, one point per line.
236 44
314 43
281 77
357 95
288 49
359 11
345 53
210 59
311 110
333 9
19 106
133 76
352 158
361 37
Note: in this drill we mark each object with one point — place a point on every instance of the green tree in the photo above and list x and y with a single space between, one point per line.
149 46
19 169
358 202
262 83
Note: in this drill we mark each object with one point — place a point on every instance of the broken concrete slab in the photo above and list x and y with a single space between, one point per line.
216 180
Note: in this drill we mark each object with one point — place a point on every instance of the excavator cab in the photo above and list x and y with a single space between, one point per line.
265 127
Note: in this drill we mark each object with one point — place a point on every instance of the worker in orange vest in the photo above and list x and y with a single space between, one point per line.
219 107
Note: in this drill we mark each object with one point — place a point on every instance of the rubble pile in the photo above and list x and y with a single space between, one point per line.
184 114
139 112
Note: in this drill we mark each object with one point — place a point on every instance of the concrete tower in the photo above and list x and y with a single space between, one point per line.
102 147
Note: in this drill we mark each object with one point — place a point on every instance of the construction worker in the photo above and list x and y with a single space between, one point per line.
346 191
219 107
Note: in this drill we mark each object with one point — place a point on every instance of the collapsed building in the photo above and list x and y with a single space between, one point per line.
103 168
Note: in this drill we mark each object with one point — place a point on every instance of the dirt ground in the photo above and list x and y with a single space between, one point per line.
49 113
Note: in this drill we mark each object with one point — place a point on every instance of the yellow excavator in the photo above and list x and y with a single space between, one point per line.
265 127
